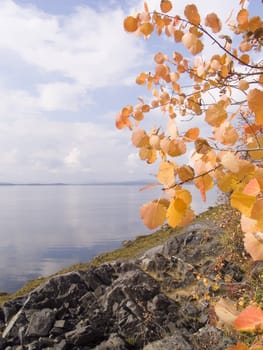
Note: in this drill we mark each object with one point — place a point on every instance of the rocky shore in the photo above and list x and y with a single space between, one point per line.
160 299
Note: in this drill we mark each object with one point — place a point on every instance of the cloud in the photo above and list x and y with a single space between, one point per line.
88 46
73 158
62 96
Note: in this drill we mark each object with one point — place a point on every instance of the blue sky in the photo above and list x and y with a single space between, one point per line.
66 68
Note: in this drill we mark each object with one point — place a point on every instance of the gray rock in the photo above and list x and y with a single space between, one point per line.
40 323
174 342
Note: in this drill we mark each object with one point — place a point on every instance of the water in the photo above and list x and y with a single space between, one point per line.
46 228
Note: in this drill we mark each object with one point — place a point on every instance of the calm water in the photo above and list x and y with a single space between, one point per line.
46 228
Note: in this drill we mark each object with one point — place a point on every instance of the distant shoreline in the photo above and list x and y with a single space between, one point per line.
130 183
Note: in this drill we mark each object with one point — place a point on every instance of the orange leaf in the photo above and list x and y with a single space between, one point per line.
252 188
257 210
191 13
140 138
153 214
242 17
249 320
254 246
186 173
213 22
146 29
239 346
166 6
130 24
192 134
254 99
147 187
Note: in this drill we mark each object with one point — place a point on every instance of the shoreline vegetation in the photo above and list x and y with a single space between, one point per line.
133 248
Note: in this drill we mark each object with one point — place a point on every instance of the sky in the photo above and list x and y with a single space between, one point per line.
66 68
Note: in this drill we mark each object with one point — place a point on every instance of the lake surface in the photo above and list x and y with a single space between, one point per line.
46 228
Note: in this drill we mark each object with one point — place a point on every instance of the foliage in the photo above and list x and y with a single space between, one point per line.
223 91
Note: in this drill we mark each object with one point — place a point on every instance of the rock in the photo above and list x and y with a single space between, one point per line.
40 323
176 341
152 302
209 337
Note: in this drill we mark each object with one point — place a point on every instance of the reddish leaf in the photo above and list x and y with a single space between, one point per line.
249 320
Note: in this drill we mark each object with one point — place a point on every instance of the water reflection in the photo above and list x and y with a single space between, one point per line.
46 228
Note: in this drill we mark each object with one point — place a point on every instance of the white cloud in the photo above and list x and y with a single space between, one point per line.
62 96
89 47
73 158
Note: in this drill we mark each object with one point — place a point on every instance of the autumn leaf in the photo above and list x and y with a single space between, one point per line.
256 144
254 246
130 24
239 346
166 174
257 210
191 134
185 173
146 29
176 211
213 22
140 138
191 13
166 6
243 202
249 320
255 98
153 214
215 114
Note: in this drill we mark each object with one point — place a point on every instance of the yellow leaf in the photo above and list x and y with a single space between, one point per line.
185 195
141 78
215 114
255 144
213 22
191 13
248 225
243 202
153 214
255 98
176 211
176 148
130 24
166 6
227 182
166 174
